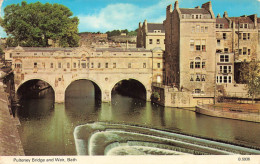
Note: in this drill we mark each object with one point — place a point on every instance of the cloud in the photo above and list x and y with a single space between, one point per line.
122 16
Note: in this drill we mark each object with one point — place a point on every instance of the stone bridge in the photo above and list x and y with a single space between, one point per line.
104 67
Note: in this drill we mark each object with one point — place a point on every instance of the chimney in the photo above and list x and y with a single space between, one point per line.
198 7
145 26
176 5
218 16
225 15
169 8
207 6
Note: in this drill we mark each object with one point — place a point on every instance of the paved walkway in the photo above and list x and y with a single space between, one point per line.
10 143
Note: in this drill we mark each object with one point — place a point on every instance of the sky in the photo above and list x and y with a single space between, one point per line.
107 15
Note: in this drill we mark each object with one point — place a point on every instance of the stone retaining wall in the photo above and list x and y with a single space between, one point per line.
207 110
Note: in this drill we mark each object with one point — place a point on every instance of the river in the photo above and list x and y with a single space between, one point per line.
47 127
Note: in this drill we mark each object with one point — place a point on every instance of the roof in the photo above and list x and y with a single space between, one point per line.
242 20
222 21
39 49
194 11
122 50
155 26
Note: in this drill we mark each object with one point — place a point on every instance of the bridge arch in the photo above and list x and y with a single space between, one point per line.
97 87
30 84
131 87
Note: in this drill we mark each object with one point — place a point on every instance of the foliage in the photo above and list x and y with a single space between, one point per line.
155 95
35 23
119 32
250 75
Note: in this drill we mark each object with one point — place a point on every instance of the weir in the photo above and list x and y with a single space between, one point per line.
119 139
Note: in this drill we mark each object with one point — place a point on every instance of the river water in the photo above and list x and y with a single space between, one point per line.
47 128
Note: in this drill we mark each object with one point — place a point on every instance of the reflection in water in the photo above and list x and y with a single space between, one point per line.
48 130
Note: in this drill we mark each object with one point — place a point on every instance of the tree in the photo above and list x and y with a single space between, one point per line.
35 24
250 75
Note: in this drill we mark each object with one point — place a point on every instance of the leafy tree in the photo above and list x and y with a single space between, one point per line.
250 75
35 23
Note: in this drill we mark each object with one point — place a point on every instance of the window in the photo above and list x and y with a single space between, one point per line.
224 58
244 36
74 65
92 65
225 79
197 62
106 65
224 36
244 50
220 79
220 69
203 77
144 65
129 65
18 65
220 25
192 16
183 16
150 41
129 54
191 65
197 77
68 65
83 65
241 26
245 25
35 65
229 69
10 55
158 41
206 29
193 29
203 45
217 25
51 65
197 43
248 52
197 90
248 36
99 65
144 54
240 51
68 53
197 16
35 53
217 79
239 36
226 50
203 64
229 79
158 65
198 28
218 42
225 69
202 29
59 65
191 45
114 65
191 77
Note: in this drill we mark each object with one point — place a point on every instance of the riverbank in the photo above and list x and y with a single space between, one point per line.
10 143
237 111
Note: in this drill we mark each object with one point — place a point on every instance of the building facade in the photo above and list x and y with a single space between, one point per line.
203 50
190 48
150 36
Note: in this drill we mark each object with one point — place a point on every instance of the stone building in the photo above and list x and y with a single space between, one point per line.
190 48
151 35
105 67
